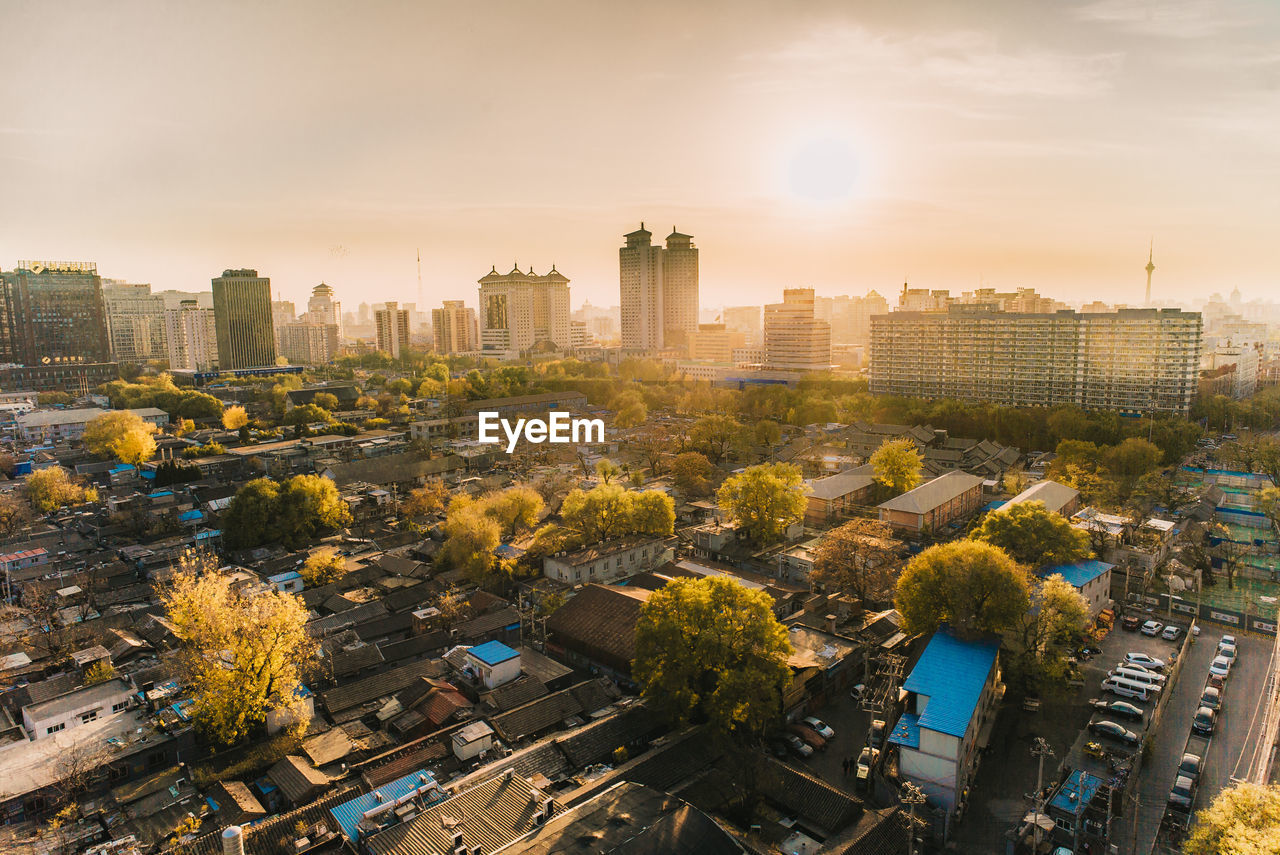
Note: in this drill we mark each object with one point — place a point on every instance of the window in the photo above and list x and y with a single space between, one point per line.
89 716
120 707
56 728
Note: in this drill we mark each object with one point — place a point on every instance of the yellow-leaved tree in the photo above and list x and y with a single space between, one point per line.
244 652
121 434
52 488
234 418
1243 820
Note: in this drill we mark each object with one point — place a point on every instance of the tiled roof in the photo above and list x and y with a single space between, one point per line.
952 673
597 741
821 804
513 694
328 747
421 755
392 469
351 660
297 779
600 620
536 716
933 493
360 614
414 645
442 704
236 798
1054 495
263 837
842 483
487 623
378 686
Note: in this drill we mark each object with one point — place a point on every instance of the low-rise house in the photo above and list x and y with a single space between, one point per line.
1056 497
608 561
597 626
298 780
492 664
76 707
935 503
1090 577
836 497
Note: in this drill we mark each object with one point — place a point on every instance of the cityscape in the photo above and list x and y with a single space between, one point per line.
888 498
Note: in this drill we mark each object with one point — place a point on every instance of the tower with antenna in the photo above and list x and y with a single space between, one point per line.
1151 268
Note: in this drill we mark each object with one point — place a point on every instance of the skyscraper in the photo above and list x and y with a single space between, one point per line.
306 343
520 310
191 334
53 313
456 328
658 289
794 339
135 321
242 313
392 329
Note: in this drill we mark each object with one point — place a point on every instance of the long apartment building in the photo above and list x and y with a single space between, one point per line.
1133 360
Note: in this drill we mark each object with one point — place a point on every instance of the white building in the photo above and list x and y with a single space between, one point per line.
192 337
1091 578
472 740
608 561
520 310
658 288
392 326
493 664
135 321
77 707
455 327
57 425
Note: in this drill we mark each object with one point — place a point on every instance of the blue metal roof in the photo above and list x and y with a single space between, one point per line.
285 576
906 731
1079 574
1076 792
994 506
190 516
348 814
493 652
952 674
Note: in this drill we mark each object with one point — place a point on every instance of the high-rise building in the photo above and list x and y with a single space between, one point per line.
850 317
191 333
1133 360
795 340
175 299
658 288
242 311
52 313
322 308
282 312
135 321
392 329
456 328
521 310
307 343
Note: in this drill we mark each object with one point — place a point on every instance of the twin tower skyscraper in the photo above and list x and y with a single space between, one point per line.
658 289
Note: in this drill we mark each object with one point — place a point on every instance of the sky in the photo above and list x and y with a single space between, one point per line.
842 146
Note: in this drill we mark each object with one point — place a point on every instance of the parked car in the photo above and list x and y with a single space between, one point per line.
1227 639
1221 666
1183 794
1088 652
811 737
1191 766
1195 630
820 726
1211 698
1152 627
866 760
1131 622
1217 681
1227 650
1171 633
798 745
876 740
1114 731
1119 709
1205 721
1149 662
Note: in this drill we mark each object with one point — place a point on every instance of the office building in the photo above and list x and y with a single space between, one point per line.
307 343
658 287
392 324
715 343
135 321
745 319
242 314
1134 360
191 336
519 311
322 308
456 328
53 313
794 339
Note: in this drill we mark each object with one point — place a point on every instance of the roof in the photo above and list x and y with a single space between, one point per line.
842 483
1076 791
1080 573
1054 495
297 779
952 674
906 731
600 621
348 814
493 653
605 548
98 693
236 795
328 747
379 685
51 418
391 469
933 493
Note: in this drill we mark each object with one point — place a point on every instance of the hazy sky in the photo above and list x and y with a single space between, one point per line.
839 145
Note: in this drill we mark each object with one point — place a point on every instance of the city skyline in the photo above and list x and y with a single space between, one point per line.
1011 145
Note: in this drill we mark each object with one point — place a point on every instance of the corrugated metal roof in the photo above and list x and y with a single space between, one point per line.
493 652
1079 574
906 731
348 814
952 674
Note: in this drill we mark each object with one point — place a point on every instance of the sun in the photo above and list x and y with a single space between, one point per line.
823 171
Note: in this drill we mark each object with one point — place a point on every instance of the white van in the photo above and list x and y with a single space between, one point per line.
1156 681
1126 688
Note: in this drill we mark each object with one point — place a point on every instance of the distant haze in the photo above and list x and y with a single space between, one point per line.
843 146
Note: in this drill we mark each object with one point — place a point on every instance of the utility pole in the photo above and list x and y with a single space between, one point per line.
1039 749
912 796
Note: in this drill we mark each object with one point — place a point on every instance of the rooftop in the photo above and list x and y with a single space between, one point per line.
493 653
952 674
1079 574
843 483
1055 496
931 494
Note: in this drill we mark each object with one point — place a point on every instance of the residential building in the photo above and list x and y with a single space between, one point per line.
135 321
62 425
52 315
934 504
492 664
1240 364
579 335
839 497
243 320
1091 578
597 627
79 706
392 324
307 343
455 327
1056 497
608 561
658 289
1138 361
794 339
850 317
282 312
953 692
519 311
191 337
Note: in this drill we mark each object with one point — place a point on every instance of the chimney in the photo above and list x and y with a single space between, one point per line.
831 624
232 840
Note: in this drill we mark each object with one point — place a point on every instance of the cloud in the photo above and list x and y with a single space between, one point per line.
1177 19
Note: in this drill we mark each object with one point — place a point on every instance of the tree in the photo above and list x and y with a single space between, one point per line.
767 433
652 513
1045 634
653 444
607 471
1034 535
713 436
1130 460
764 500
425 500
860 557
326 401
247 522
1268 500
470 539
14 516
323 567
307 414
692 473
1244 819
514 509
599 514
897 464
52 488
121 434
973 586
234 418
630 408
1155 489
99 672
243 651
710 650
307 505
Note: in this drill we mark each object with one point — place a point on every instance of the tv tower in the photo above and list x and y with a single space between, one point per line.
1151 268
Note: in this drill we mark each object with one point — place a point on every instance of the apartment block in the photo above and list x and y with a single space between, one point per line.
392 326
658 288
456 328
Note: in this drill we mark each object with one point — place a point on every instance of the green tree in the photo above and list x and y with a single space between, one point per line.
1043 637
325 401
1130 460
897 464
1244 819
243 653
767 433
630 408
425 500
307 414
714 436
692 473
973 586
601 513
860 557
1034 535
764 500
248 520
307 505
607 471
710 650
470 539
99 672
15 515
652 513
515 509
52 487
322 567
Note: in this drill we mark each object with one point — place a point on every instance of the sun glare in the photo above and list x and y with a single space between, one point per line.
825 171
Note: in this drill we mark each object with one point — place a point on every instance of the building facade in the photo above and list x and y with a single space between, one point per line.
794 338
243 319
658 288
135 321
191 337
392 325
520 310
53 313
1137 361
307 343
323 309
456 328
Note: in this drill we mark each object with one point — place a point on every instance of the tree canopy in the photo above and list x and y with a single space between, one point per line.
471 537
294 512
897 465
973 586
710 650
53 487
610 510
1044 636
121 434
1244 819
234 418
323 567
860 557
1034 535
764 500
692 473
